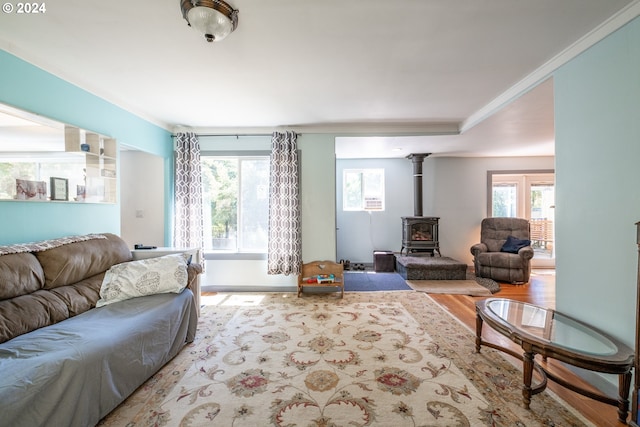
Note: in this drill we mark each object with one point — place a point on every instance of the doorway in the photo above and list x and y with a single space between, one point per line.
142 197
530 195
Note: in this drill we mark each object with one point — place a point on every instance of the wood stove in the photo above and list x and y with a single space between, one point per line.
420 234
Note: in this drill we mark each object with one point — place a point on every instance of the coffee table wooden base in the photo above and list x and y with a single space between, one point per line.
531 347
528 366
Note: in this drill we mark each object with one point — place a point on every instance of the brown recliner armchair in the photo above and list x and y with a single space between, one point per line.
504 252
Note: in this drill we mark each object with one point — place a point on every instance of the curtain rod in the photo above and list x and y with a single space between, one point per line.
237 135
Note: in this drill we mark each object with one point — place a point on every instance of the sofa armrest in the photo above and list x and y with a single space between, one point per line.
193 282
193 270
526 253
478 248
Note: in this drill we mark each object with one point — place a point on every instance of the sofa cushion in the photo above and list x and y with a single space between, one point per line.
20 274
144 277
81 296
71 263
26 313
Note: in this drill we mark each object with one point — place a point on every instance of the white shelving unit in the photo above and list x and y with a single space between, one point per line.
100 155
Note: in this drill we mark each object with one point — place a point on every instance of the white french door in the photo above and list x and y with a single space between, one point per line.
528 195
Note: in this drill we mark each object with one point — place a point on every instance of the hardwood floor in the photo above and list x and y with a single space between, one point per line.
541 291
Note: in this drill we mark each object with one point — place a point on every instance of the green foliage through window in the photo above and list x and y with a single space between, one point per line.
236 203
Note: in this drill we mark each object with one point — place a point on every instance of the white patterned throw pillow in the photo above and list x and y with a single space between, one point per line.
144 277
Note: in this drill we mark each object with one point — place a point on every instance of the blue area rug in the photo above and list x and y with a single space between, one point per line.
370 281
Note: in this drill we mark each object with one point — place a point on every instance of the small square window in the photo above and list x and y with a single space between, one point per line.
363 190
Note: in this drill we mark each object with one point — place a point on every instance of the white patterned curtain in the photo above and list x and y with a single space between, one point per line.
285 244
188 224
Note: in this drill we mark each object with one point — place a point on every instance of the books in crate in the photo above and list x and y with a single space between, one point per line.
320 278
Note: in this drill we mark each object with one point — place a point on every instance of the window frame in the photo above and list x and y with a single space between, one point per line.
235 254
490 180
363 197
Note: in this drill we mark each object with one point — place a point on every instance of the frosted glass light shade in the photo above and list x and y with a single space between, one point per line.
210 22
213 18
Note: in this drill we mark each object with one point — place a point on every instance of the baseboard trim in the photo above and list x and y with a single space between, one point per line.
595 379
258 288
247 288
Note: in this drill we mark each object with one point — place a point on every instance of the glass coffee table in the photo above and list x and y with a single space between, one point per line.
554 335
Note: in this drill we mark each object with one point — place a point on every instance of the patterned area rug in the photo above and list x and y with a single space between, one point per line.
369 359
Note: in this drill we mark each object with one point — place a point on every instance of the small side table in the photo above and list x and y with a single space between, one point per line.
139 254
384 261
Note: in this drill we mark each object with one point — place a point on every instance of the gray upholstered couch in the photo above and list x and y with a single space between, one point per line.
64 362
489 258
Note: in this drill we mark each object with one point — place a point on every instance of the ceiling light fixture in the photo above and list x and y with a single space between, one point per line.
216 19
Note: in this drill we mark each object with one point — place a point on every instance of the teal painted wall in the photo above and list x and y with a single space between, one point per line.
597 111
25 86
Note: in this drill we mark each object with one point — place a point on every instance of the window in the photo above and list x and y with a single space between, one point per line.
505 199
363 190
236 203
525 195
530 195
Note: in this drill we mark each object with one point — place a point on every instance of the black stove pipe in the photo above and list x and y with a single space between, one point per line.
417 160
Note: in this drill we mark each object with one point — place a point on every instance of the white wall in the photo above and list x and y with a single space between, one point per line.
360 233
142 196
454 189
243 275
460 197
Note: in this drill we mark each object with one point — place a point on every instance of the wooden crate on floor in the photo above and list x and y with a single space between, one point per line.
309 273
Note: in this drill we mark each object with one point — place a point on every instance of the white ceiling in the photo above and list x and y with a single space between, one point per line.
402 70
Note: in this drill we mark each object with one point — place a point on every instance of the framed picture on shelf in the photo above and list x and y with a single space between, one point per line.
59 189
31 190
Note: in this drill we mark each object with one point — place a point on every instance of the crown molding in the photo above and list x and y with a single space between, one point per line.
614 23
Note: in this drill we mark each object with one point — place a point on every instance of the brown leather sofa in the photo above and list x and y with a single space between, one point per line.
65 362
